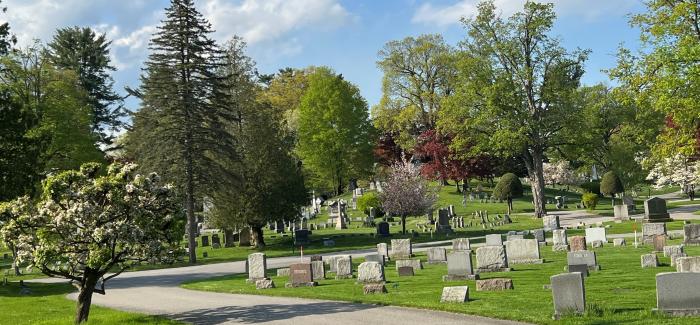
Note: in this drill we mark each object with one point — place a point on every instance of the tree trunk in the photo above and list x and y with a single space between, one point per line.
533 162
258 239
459 190
403 224
87 288
15 265
228 238
444 182
510 205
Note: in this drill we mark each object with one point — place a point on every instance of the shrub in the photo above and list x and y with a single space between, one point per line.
591 187
589 200
611 184
370 200
509 185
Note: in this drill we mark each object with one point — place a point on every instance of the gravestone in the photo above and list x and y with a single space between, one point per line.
406 271
332 262
494 284
673 250
264 284
375 258
374 288
691 234
659 242
283 271
619 242
340 222
583 257
649 260
459 267
596 234
568 294
629 202
649 230
559 240
205 241
514 237
443 222
621 212
415 264
655 210
688 264
279 227
383 249
244 237
300 275
343 267
550 223
677 293
539 236
301 237
401 248
383 229
318 270
491 259
370 272
437 255
580 268
494 240
675 257
314 258
578 243
523 251
461 244
256 267
215 240
455 294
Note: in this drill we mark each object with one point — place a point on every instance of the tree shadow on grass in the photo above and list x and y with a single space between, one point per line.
265 313
13 289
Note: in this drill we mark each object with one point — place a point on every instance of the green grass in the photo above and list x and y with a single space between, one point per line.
622 292
47 304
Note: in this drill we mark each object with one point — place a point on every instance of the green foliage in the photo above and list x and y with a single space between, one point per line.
509 186
611 184
335 135
370 200
589 200
591 187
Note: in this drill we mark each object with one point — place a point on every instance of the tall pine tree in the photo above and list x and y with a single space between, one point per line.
82 50
182 130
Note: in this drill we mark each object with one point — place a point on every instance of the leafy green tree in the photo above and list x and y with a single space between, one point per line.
87 54
285 92
89 228
370 200
508 188
516 89
663 76
335 135
611 185
418 75
183 129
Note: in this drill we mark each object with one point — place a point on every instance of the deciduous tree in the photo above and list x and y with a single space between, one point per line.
406 193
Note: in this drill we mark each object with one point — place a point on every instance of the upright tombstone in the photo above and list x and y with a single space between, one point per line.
655 210
340 222
383 249
649 260
568 294
688 264
256 267
318 270
461 244
414 263
550 223
649 230
628 201
343 267
301 237
523 251
279 226
401 248
370 272
491 259
659 242
244 238
205 240
494 240
691 234
578 243
459 267
621 212
677 293
559 240
596 234
437 255
539 236
383 229
301 275
455 294
583 257
215 240
673 250
443 224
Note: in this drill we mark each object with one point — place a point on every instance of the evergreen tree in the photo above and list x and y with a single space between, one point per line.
611 185
7 40
87 54
182 130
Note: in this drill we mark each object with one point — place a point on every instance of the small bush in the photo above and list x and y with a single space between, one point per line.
589 200
370 200
611 184
592 187
508 185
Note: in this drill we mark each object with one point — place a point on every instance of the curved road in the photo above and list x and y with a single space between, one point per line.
157 292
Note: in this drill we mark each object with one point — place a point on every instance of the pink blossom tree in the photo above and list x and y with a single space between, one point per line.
406 192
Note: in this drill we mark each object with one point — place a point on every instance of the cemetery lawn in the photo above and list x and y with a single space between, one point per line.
622 292
47 304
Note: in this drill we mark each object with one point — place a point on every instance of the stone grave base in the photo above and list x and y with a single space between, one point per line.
495 284
677 312
560 248
299 285
487 270
437 262
532 261
373 288
656 219
460 277
590 268
542 243
341 277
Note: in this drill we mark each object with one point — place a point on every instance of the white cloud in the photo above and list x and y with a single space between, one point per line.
589 10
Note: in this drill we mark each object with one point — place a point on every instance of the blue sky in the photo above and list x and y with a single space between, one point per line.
343 34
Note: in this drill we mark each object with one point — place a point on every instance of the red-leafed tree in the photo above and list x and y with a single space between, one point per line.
387 152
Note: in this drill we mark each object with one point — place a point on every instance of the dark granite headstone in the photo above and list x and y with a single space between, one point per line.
301 237
655 210
383 229
215 240
406 271
583 268
205 241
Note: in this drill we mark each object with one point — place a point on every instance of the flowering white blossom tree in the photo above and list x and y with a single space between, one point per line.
676 170
559 173
406 192
86 225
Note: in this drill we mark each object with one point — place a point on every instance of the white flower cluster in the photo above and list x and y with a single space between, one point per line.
677 170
